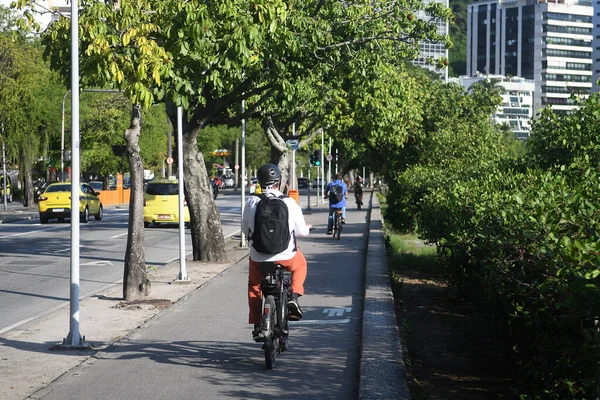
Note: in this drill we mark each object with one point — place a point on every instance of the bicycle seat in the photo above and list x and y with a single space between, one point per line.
268 267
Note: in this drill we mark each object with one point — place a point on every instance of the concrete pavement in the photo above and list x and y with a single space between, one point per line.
30 362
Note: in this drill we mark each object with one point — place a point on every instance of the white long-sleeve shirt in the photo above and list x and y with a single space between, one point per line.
296 223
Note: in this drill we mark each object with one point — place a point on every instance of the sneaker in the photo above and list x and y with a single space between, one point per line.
343 221
294 310
329 232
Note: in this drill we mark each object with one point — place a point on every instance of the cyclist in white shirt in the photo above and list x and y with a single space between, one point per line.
291 258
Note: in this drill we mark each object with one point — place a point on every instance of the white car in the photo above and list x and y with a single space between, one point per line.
228 181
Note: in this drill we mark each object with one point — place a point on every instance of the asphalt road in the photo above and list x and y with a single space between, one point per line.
35 259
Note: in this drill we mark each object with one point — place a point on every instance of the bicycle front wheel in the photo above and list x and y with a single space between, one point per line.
270 345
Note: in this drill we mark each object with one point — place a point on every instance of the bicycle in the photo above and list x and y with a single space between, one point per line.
276 290
337 223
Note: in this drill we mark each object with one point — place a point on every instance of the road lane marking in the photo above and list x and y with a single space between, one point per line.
104 262
321 321
52 228
336 312
119 235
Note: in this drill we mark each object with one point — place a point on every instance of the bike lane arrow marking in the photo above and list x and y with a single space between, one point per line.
336 312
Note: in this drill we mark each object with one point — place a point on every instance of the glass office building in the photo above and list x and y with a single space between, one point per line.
549 42
432 49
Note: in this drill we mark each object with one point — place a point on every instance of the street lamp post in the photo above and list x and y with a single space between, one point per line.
62 140
5 194
243 240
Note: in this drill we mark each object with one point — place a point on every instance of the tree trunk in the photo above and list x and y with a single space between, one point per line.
25 172
135 278
280 153
208 243
284 161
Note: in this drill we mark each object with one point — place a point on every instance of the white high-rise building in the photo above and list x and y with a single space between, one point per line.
432 49
549 42
596 46
516 109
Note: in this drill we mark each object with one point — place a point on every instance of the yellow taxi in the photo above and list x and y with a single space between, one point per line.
55 202
161 203
9 193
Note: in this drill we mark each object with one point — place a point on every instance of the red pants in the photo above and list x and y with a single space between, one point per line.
296 265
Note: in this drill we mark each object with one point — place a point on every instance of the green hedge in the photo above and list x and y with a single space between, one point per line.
522 239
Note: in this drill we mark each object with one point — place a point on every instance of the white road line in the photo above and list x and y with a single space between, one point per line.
104 262
53 228
321 321
119 235
61 251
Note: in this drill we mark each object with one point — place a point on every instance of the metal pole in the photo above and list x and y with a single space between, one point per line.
183 276
74 338
5 195
243 242
62 139
294 181
170 146
322 162
237 162
329 170
309 183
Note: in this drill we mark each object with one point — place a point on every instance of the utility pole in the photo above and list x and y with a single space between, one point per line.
170 147
183 276
243 241
74 338
5 195
237 164
308 209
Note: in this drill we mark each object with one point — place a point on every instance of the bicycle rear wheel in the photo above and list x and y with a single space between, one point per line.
338 227
270 345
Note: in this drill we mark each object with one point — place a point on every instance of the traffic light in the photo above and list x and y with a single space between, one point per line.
315 158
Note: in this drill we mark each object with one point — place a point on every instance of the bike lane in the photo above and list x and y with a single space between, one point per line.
202 346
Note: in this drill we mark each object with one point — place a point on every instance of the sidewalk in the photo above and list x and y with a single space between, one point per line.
30 361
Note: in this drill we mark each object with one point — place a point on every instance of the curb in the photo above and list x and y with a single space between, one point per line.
382 369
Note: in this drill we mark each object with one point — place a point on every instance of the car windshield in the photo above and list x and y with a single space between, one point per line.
59 188
96 185
162 189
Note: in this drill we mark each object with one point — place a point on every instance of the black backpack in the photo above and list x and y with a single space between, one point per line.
271 233
336 193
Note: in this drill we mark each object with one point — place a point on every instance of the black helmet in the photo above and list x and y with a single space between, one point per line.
268 174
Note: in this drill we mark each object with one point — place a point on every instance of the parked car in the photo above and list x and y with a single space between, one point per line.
96 185
55 202
9 192
161 203
302 183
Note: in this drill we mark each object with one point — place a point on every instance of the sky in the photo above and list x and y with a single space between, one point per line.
44 20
